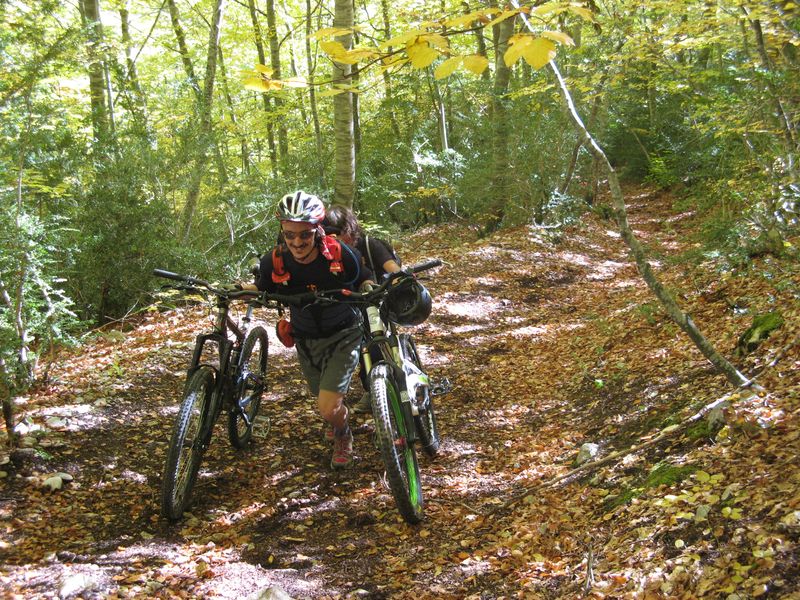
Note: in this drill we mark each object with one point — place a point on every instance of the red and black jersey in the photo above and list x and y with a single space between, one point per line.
319 320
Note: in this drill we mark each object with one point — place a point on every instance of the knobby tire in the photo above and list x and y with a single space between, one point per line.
188 443
251 377
399 456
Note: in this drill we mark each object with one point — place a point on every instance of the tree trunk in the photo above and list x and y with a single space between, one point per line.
183 49
439 110
784 121
275 63
232 113
683 320
206 126
90 11
387 81
354 79
500 127
345 177
480 43
140 102
262 59
312 97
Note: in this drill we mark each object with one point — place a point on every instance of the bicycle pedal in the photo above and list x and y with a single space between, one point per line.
441 387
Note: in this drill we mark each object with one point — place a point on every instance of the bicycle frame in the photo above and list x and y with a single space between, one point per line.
227 349
412 382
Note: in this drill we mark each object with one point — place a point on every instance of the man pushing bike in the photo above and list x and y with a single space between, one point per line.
327 336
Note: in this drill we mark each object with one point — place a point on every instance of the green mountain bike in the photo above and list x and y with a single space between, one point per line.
401 392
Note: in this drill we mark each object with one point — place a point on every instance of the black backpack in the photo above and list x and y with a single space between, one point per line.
385 244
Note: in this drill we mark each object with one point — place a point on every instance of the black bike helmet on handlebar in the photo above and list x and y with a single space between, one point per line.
408 303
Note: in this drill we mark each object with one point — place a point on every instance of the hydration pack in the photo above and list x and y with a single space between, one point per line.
330 248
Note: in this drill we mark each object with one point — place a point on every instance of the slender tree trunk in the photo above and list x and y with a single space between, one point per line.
183 49
90 11
573 163
674 311
312 97
275 63
345 177
784 121
355 75
387 81
262 59
132 76
206 126
293 70
480 43
500 127
439 110
232 114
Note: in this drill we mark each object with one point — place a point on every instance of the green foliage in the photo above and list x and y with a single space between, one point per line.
35 312
120 231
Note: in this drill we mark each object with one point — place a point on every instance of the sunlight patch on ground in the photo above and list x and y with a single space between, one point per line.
680 217
605 270
530 331
466 328
613 234
75 417
576 259
479 308
625 283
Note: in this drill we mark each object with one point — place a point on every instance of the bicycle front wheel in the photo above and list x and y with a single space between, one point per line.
427 428
188 443
251 381
399 456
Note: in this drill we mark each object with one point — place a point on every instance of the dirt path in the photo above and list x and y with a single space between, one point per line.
549 344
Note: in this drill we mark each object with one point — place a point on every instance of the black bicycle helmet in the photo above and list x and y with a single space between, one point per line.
408 303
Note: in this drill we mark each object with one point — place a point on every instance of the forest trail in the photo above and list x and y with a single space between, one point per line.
549 343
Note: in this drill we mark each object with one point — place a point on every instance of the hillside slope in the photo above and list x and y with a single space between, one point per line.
549 344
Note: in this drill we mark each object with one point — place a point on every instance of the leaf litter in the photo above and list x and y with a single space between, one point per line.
548 344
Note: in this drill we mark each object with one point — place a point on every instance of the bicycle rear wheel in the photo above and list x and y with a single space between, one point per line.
251 379
399 456
188 443
427 428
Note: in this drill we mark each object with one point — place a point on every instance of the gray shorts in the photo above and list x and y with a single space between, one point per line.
328 363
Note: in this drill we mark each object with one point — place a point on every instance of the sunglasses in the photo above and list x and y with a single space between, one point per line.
303 235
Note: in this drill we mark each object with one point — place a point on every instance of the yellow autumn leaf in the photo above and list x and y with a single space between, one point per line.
539 52
258 84
558 36
333 49
475 63
295 82
447 67
421 54
467 19
435 39
403 38
518 45
330 32
360 54
581 12
547 8
331 92
264 69
502 17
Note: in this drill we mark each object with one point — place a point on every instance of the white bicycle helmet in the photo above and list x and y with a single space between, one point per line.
301 207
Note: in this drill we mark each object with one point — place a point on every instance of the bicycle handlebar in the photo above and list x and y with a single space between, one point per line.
304 298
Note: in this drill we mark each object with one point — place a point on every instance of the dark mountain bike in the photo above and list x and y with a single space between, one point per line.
401 393
236 384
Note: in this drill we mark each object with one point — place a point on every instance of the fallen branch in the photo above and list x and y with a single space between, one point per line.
591 466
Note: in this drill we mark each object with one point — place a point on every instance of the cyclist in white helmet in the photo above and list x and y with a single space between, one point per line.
328 337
